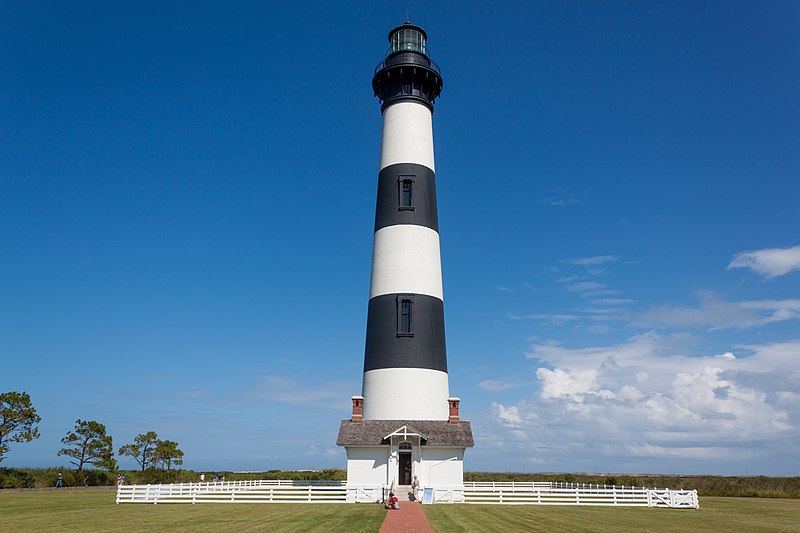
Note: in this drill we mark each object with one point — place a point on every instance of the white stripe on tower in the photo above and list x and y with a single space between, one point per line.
405 362
407 135
405 259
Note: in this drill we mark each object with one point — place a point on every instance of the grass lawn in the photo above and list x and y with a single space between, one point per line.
95 510
715 515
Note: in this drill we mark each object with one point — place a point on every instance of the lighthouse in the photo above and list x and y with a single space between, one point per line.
405 424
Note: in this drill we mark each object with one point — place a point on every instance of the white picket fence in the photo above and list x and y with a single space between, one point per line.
502 493
252 491
544 493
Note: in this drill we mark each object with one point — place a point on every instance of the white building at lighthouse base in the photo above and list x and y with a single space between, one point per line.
384 456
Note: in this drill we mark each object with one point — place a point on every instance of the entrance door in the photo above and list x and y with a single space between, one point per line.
404 468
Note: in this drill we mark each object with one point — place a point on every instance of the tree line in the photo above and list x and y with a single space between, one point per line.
87 443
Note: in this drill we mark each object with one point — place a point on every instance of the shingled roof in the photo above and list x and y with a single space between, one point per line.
433 432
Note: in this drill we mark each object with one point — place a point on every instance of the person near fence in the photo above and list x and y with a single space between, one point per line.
60 481
202 477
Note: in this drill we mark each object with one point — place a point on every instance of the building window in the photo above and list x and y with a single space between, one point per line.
405 315
405 446
406 188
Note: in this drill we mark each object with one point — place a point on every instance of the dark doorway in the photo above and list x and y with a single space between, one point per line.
404 465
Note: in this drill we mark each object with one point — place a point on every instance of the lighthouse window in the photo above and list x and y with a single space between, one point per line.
406 193
405 325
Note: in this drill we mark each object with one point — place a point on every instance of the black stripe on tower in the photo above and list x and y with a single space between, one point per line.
389 346
406 195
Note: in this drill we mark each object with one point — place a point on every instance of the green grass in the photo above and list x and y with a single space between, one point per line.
752 515
95 510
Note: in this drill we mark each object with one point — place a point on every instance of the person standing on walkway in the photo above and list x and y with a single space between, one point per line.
414 488
60 481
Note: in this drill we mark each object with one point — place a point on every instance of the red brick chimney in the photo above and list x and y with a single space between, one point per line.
453 402
358 409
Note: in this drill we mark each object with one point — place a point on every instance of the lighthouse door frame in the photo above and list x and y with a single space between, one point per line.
405 463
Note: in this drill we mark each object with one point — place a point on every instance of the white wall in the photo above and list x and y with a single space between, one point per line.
367 466
436 470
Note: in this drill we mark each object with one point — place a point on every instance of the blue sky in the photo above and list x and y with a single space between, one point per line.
187 194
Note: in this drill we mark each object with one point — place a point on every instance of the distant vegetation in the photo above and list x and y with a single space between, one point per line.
751 486
29 478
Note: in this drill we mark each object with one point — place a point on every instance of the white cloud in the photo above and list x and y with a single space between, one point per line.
553 319
509 415
504 289
613 301
594 260
716 313
645 398
561 202
769 262
495 385
282 389
584 286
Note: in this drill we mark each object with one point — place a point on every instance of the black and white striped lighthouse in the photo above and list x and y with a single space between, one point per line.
405 425
405 361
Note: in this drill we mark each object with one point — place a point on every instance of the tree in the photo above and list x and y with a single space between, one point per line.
142 450
167 453
18 420
89 444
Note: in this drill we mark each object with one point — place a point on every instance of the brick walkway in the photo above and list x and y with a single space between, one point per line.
408 519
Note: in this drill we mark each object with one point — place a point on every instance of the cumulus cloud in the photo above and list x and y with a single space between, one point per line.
769 262
645 398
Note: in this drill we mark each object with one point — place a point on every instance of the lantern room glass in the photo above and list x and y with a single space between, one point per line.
408 40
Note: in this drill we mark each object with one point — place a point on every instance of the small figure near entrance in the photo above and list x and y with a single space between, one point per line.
414 489
393 502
